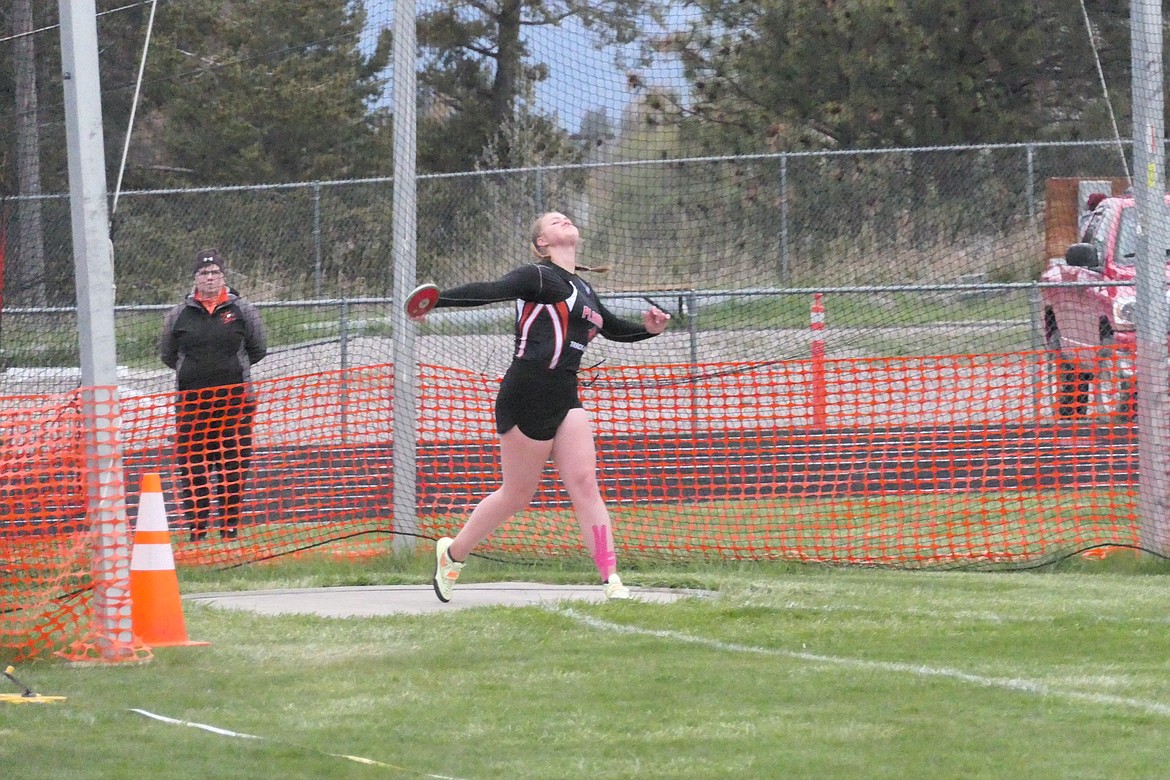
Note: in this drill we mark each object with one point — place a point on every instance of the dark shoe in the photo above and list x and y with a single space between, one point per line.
230 533
198 536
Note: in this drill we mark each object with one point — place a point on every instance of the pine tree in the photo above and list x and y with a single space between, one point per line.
476 70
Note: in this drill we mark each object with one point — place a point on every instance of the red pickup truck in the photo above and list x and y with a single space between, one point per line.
1089 329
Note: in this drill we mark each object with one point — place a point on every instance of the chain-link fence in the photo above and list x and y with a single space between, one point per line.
694 231
708 326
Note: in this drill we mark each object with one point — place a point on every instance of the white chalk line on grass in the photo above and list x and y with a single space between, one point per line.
1011 684
240 735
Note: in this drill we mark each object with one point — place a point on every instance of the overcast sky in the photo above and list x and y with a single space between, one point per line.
581 78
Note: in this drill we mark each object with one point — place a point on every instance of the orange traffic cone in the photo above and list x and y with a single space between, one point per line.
156 611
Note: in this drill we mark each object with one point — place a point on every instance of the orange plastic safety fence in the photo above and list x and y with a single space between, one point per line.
911 462
47 547
53 510
312 466
968 460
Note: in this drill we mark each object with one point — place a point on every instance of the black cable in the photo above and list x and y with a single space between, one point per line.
535 563
354 535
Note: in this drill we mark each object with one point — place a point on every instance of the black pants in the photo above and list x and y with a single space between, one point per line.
213 439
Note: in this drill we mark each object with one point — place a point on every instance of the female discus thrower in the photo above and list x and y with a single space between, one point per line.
538 413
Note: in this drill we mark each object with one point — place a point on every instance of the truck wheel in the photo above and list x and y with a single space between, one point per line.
1118 391
1072 386
1127 406
1072 393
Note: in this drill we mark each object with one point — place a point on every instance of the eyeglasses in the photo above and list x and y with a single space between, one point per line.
208 272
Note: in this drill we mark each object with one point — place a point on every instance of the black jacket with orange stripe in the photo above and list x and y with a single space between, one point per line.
212 349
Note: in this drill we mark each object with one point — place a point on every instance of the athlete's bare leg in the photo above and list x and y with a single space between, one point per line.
575 455
522 462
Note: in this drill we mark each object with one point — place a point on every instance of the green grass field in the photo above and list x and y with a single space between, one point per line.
783 671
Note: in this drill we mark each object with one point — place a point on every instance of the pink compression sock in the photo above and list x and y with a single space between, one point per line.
603 556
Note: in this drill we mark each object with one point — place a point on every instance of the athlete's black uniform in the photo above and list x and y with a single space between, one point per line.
557 315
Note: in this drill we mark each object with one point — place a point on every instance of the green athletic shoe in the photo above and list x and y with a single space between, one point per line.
446 570
614 589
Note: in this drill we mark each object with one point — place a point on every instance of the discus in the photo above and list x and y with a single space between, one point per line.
421 300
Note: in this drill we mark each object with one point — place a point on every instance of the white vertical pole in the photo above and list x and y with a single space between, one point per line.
1153 321
94 274
404 255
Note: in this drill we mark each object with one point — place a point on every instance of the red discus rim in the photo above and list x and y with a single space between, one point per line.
422 299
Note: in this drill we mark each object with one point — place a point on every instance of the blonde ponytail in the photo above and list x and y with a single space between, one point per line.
600 269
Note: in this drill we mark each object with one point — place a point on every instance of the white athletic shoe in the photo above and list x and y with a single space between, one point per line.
614 589
446 570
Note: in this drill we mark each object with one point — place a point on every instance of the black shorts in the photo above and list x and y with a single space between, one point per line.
535 399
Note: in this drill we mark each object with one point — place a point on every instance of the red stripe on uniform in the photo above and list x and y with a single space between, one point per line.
559 314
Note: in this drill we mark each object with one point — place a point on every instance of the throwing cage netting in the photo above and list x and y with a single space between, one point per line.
855 373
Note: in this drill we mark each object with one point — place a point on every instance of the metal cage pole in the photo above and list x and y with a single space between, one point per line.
404 217
94 270
1153 321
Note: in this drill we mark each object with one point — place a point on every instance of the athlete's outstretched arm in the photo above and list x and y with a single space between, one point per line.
618 329
524 282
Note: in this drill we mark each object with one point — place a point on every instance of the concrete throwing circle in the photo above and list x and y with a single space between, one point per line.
371 601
